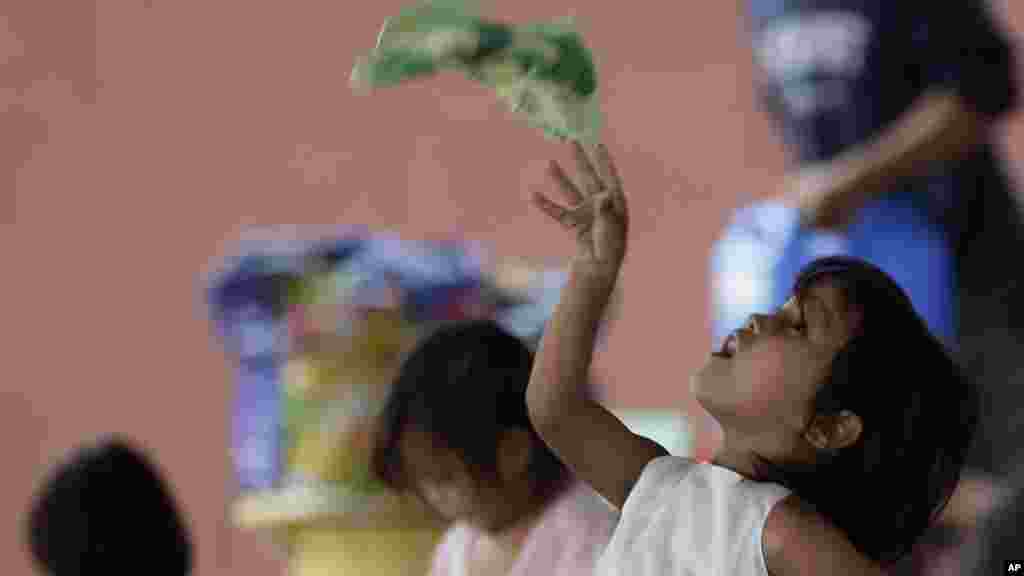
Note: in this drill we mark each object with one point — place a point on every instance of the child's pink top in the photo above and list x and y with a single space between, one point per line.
567 539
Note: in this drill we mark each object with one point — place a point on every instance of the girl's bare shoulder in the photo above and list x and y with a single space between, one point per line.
797 540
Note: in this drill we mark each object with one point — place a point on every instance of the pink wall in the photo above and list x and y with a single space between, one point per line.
137 136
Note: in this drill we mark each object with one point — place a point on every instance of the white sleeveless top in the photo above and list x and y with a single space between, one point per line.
685 518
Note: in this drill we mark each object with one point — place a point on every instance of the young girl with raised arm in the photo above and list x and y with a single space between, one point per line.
845 421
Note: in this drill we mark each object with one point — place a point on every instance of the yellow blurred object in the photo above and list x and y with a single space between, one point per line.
334 454
336 384
328 552
317 374
322 456
333 529
298 507
386 335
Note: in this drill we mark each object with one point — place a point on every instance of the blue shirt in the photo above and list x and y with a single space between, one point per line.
835 73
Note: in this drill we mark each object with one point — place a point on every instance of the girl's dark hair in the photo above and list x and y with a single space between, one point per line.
463 386
918 411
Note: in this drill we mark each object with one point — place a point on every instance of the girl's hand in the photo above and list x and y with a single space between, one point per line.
597 212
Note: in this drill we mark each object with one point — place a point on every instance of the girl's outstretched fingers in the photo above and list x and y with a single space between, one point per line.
591 178
565 184
555 211
611 176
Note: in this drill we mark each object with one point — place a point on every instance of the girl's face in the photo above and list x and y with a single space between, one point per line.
763 385
446 483
440 477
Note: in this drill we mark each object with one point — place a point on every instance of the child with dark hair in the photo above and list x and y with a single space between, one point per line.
846 423
456 433
108 510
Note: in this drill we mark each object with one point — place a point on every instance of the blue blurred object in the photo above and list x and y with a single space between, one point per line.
756 262
743 264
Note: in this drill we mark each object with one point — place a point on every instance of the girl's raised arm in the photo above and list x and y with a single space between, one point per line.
591 441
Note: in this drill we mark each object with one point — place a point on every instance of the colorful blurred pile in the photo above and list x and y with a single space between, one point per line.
315 329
